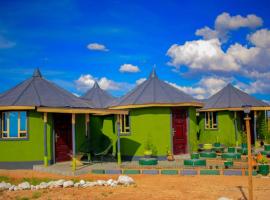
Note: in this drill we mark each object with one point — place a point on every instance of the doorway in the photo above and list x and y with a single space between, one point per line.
63 137
179 127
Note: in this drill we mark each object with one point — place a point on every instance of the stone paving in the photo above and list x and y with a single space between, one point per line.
64 168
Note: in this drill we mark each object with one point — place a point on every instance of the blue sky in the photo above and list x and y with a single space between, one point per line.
76 42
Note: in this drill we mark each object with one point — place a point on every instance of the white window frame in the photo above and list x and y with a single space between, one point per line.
21 134
209 120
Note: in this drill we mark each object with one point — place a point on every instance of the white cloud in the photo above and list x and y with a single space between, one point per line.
6 44
206 87
129 68
86 81
97 47
207 33
255 87
225 23
141 80
202 54
260 38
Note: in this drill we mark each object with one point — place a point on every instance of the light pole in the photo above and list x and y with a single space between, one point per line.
247 109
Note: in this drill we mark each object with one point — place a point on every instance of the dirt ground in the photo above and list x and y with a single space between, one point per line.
165 187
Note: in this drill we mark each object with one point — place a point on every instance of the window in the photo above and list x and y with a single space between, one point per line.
13 125
124 124
211 120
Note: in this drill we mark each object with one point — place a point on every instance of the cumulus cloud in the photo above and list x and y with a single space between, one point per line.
260 38
97 47
141 80
86 81
202 54
225 23
129 68
6 44
206 87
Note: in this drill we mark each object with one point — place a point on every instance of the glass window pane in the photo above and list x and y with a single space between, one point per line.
5 118
13 124
23 121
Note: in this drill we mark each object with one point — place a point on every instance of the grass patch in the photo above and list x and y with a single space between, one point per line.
35 181
4 178
36 195
21 198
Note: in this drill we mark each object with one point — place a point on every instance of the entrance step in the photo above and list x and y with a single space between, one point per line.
182 156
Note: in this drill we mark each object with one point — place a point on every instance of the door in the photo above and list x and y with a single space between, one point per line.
63 137
179 125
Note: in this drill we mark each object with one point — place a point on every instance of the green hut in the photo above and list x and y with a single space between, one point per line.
222 117
41 123
160 117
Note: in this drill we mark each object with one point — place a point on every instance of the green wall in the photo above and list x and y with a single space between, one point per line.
225 133
31 149
193 129
146 124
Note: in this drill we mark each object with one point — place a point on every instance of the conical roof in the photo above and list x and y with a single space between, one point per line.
231 97
98 97
37 91
155 92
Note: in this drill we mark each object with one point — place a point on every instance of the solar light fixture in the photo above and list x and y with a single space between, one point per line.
247 109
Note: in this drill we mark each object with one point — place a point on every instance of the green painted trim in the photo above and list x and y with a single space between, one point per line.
169 172
209 172
131 171
98 171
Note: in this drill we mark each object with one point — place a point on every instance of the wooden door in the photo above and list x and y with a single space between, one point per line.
179 125
63 137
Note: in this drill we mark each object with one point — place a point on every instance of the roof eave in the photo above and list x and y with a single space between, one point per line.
81 110
184 104
3 108
254 108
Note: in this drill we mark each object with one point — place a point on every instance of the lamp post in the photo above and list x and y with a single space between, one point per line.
247 109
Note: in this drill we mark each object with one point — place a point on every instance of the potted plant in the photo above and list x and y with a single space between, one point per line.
263 167
170 156
148 149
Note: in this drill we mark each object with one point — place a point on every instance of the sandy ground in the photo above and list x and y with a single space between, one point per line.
163 187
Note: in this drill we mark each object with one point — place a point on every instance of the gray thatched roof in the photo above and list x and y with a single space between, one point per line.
155 91
231 97
37 91
98 97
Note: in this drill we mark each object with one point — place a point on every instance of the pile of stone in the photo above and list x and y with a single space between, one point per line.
122 180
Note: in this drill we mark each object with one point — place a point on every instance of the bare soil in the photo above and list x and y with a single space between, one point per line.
165 187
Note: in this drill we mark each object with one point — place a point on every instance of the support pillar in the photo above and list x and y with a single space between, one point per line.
45 120
254 128
118 141
250 185
73 121
87 124
235 128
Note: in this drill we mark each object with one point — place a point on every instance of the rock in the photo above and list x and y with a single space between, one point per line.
101 182
82 182
33 187
125 180
43 185
224 198
68 184
109 182
4 186
24 186
16 188
77 184
59 183
89 184
11 188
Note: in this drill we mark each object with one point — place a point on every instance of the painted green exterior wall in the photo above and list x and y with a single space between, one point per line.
146 124
31 149
225 133
193 129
